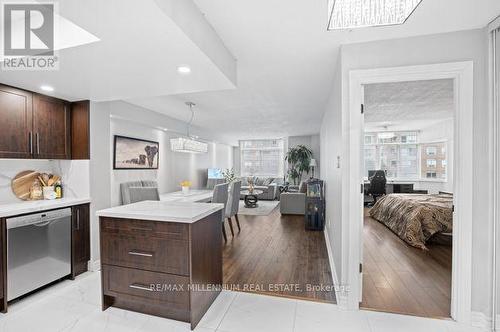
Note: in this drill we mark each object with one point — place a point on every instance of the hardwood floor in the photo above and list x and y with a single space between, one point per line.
276 249
402 279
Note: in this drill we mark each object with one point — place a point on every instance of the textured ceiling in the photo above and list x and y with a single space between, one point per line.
411 104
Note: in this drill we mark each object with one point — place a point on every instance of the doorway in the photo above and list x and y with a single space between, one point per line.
408 197
462 75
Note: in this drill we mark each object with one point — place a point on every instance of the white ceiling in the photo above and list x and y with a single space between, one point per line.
408 105
139 51
286 61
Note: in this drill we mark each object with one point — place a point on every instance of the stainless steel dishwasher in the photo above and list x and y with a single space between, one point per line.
38 250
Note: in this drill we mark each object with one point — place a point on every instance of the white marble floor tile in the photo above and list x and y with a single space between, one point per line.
86 288
218 309
252 312
384 322
111 320
49 315
322 317
40 295
158 324
74 306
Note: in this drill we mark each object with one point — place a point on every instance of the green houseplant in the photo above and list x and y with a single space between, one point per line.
298 159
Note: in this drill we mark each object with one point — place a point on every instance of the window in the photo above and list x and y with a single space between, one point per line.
262 158
431 175
395 152
402 156
434 160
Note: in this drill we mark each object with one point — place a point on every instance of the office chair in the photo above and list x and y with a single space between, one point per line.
377 185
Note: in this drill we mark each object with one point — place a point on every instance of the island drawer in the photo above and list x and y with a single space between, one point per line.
146 253
145 287
157 229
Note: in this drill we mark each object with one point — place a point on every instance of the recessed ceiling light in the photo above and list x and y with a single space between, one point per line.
348 14
47 88
183 69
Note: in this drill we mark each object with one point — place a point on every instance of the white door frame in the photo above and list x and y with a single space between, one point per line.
494 98
462 74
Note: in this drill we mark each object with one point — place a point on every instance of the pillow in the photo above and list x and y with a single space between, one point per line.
259 181
267 181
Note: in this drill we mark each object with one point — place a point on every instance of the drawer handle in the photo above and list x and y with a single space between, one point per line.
136 253
141 287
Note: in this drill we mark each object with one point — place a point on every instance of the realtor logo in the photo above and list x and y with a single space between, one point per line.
28 29
28 36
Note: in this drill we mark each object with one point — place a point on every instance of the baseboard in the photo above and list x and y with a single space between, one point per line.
482 321
94 266
339 296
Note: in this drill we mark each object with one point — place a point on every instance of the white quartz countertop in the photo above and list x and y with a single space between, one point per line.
183 212
14 209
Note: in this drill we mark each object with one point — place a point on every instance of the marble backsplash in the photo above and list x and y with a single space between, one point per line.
74 174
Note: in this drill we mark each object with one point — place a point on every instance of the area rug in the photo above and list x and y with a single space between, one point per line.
264 208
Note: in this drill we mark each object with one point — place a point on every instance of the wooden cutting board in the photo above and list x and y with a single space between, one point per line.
22 182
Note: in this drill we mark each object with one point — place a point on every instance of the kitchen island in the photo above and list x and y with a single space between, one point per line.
162 258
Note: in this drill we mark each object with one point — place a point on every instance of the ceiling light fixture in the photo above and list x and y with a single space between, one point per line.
188 145
349 14
47 88
183 69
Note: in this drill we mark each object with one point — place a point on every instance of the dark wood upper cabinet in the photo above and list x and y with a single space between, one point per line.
80 130
80 239
36 126
51 128
16 140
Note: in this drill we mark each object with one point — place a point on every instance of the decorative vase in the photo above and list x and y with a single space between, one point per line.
185 190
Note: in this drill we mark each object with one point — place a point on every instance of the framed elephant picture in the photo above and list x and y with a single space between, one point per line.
135 153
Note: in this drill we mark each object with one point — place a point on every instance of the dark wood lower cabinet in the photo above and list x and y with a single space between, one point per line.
167 269
80 239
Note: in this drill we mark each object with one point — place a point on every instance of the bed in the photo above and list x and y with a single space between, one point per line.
415 218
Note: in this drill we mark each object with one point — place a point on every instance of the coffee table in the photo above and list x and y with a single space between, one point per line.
251 198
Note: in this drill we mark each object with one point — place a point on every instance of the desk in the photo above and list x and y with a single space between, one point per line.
194 196
391 187
394 187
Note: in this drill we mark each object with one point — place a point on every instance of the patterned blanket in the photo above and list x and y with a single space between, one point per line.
415 218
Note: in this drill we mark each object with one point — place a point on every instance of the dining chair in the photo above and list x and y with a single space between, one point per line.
139 194
233 205
220 196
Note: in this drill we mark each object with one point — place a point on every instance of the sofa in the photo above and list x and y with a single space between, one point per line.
294 201
268 185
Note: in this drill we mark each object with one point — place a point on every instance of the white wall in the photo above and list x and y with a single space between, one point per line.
331 149
450 47
120 118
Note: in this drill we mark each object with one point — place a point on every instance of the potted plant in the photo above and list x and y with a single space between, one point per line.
298 159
